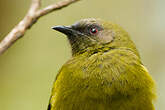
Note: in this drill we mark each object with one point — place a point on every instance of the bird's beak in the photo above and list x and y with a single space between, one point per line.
64 29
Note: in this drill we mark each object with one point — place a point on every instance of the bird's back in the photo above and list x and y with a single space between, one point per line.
113 80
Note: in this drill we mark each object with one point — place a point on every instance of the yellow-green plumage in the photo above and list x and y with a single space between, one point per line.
103 73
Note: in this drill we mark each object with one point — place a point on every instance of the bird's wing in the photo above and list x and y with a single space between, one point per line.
53 93
50 104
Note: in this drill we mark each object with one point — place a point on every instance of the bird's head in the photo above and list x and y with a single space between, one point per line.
95 35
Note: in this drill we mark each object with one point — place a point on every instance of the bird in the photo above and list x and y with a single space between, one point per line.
105 71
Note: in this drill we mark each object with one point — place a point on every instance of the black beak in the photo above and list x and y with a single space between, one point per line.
64 29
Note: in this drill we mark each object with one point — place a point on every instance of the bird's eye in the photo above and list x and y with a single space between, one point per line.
93 30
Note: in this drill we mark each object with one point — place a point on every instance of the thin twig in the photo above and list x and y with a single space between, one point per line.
55 6
31 17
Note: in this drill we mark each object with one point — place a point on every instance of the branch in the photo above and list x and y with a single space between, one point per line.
31 17
55 6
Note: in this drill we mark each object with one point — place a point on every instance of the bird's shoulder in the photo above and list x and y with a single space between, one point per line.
116 61
105 58
117 64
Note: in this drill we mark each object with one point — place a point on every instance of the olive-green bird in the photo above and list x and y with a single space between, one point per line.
105 71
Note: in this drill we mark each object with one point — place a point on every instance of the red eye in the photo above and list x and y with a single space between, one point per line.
94 30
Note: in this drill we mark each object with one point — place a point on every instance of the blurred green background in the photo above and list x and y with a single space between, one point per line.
29 67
